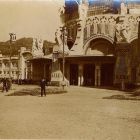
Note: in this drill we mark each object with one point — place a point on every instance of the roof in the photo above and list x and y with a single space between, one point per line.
76 56
48 57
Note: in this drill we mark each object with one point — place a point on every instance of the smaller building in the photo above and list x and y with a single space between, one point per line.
9 67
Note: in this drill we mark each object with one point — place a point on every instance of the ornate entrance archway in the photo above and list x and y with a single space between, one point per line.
103 70
97 38
96 66
99 46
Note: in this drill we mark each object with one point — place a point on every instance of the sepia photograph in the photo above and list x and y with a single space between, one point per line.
70 69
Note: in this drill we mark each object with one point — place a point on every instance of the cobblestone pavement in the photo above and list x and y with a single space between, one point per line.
82 113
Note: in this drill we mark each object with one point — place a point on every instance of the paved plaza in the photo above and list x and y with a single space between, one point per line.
82 113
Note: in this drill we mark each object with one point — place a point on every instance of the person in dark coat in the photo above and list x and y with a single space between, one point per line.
42 85
5 86
9 83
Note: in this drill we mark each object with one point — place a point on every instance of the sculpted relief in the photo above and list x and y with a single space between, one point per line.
125 28
37 48
60 40
100 26
123 32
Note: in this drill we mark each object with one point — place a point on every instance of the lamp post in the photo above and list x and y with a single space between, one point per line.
12 39
63 29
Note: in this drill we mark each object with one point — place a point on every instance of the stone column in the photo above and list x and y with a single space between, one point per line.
31 74
68 71
95 30
88 30
96 78
97 75
26 71
22 62
80 75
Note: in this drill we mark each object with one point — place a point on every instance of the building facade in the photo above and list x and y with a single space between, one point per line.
98 44
29 64
8 68
102 42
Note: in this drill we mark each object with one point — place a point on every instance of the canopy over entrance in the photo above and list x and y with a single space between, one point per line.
89 58
40 68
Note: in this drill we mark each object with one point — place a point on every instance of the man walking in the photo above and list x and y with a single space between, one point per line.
43 84
5 86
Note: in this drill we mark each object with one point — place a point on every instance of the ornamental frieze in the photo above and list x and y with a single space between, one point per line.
125 28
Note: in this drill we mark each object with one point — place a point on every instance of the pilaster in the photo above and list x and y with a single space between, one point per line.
97 75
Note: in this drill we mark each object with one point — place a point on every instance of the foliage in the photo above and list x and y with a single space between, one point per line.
15 46
23 42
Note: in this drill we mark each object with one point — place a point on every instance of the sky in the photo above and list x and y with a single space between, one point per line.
29 18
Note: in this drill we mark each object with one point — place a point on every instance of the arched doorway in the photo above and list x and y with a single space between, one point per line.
100 47
100 70
73 74
89 75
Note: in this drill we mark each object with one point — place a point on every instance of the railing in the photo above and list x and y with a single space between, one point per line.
98 10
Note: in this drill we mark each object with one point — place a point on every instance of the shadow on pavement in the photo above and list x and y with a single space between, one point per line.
102 87
37 92
128 96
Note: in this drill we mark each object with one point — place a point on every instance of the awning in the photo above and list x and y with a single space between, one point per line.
89 58
43 58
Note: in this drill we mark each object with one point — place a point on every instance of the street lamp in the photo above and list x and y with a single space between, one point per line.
63 30
12 39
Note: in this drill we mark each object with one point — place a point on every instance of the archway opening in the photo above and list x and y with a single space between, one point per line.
100 47
89 75
107 74
74 74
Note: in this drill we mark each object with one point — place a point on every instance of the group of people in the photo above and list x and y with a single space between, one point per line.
6 84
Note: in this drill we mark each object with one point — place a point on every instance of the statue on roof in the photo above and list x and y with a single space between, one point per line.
37 48
83 8
123 9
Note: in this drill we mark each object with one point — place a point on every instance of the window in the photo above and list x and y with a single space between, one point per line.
6 64
14 64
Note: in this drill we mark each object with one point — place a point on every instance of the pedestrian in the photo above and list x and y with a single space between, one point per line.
5 86
20 81
42 85
9 83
